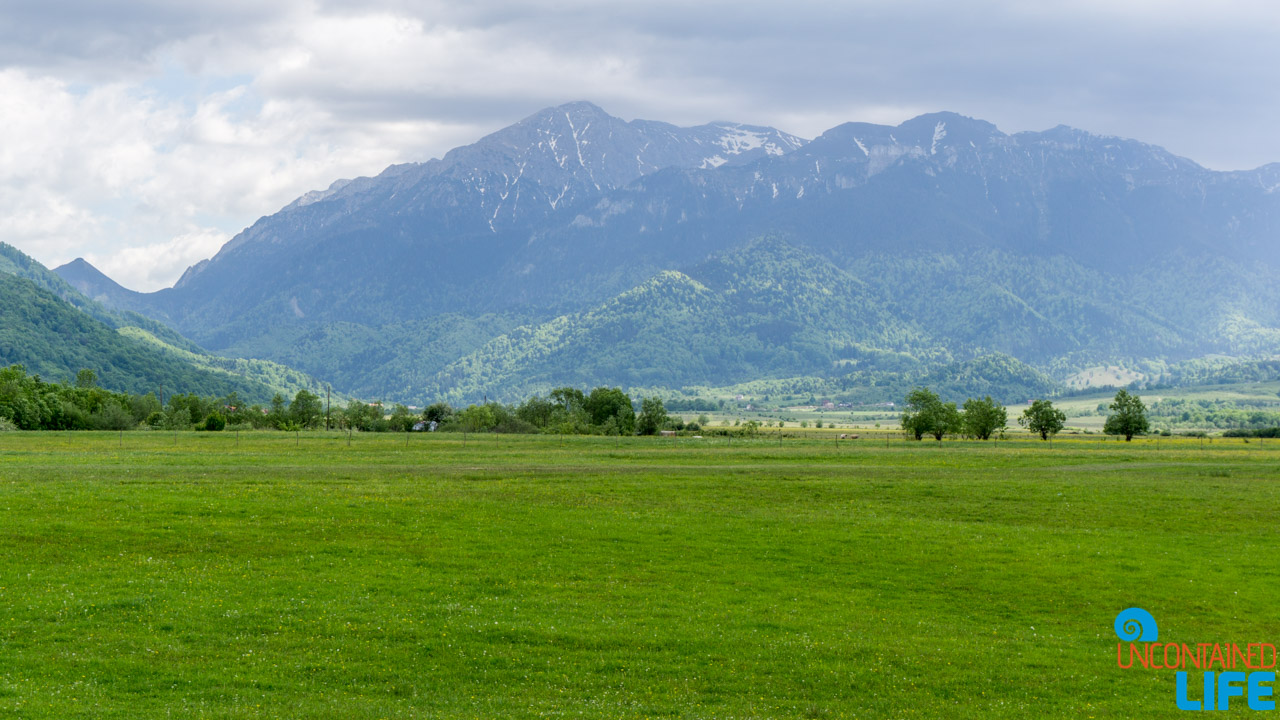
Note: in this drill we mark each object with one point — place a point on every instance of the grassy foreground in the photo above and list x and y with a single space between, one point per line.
205 575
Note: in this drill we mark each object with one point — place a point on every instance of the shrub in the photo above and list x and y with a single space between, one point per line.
111 416
215 422
513 425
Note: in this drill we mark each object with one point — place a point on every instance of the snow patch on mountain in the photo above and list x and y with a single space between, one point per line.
316 196
735 139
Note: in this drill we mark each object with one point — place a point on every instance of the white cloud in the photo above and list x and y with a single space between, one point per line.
157 265
136 135
125 178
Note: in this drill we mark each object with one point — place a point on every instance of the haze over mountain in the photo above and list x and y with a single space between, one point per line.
574 247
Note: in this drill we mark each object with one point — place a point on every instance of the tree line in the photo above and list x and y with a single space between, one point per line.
29 403
927 414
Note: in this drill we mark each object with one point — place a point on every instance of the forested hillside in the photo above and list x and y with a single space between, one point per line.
54 332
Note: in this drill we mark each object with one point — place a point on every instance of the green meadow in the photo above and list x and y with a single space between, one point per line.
209 575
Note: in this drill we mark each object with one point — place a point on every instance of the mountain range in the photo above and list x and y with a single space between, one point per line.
577 248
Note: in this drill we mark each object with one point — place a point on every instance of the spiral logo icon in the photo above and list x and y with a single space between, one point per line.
1136 624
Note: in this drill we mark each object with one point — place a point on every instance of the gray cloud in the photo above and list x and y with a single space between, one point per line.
279 97
101 41
1195 76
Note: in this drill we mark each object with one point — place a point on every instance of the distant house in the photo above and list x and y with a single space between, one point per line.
419 426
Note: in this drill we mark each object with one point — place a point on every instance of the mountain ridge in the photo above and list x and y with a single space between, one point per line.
570 208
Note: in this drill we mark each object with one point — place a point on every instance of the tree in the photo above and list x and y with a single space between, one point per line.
112 416
144 406
949 421
653 416
438 413
1129 416
983 417
926 414
922 404
536 411
568 399
363 416
1043 418
401 419
178 419
306 410
215 422
477 418
278 414
86 379
606 403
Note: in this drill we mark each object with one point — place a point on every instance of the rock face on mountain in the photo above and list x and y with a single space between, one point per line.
1057 248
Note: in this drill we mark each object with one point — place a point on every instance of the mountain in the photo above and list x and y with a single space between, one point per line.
577 247
93 284
54 331
765 310
421 238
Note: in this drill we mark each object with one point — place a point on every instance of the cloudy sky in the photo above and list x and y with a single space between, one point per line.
142 135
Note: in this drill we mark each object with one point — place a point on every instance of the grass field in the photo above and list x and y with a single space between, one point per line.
204 575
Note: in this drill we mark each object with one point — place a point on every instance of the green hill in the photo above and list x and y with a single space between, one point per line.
54 332
768 310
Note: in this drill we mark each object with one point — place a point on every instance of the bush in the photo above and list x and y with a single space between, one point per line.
179 419
6 425
1253 432
111 416
214 423
513 425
